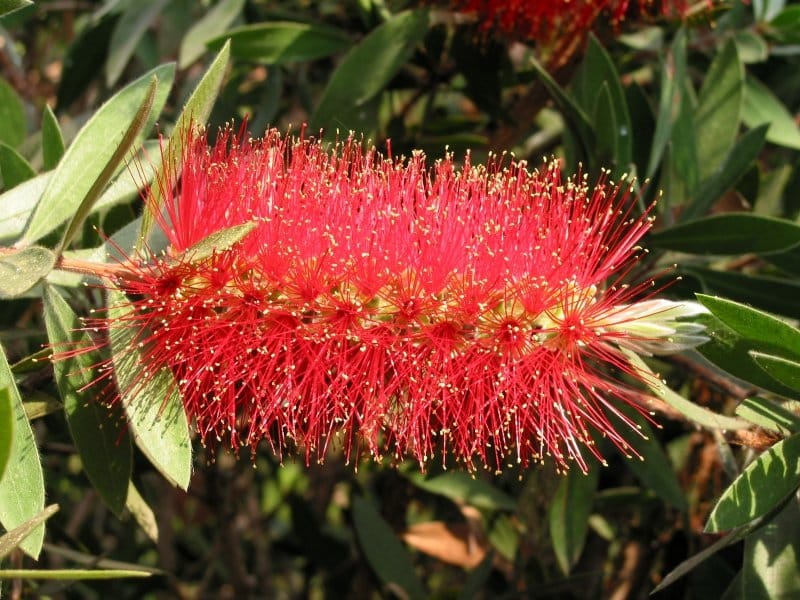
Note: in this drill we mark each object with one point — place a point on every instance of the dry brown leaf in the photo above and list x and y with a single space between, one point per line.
453 543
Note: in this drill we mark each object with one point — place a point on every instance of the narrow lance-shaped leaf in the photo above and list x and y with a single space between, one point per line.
384 551
9 6
128 138
98 428
70 574
569 515
128 31
150 396
94 154
766 482
52 139
769 415
6 429
781 369
13 167
218 18
368 67
22 489
195 112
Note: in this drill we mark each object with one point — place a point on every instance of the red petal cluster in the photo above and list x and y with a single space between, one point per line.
388 306
544 20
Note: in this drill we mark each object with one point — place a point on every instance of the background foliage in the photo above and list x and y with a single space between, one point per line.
701 109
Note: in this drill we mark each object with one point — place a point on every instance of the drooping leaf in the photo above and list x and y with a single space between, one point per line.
14 538
13 167
141 512
765 483
217 242
52 139
385 554
22 489
729 233
368 67
97 427
21 269
128 31
719 109
13 126
462 488
279 42
195 113
94 155
150 397
569 515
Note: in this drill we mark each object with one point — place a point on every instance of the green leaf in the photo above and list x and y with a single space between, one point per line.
761 106
6 429
52 139
729 233
218 241
152 403
14 538
9 6
598 78
17 205
141 512
463 488
384 552
761 329
719 109
765 483
279 42
673 78
13 167
769 568
70 574
21 269
769 415
569 515
13 125
93 156
22 489
368 67
768 293
653 468
212 24
475 582
134 129
98 429
731 351
697 414
574 115
127 33
195 112
781 369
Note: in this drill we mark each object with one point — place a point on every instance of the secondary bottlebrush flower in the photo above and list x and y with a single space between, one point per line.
396 308
545 21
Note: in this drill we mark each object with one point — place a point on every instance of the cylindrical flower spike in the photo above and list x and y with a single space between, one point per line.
404 310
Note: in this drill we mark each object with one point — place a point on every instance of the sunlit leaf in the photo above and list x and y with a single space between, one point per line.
21 269
98 428
14 538
93 156
766 482
22 488
6 429
150 396
70 574
462 488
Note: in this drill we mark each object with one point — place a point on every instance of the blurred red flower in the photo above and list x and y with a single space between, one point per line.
396 308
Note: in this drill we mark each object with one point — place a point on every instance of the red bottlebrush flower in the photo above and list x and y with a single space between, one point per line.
401 309
547 20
